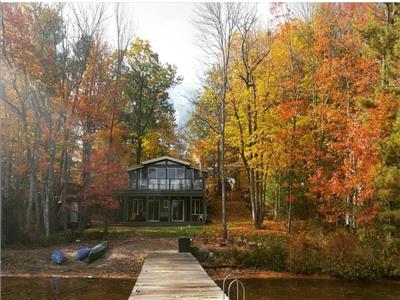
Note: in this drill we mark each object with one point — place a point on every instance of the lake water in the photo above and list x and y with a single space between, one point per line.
14 288
319 289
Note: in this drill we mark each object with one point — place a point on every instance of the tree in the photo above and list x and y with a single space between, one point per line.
252 47
147 84
216 23
51 84
382 35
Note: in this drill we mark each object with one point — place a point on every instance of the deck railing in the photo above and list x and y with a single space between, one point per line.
167 184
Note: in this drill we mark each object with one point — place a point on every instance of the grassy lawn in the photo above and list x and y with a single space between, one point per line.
212 231
121 233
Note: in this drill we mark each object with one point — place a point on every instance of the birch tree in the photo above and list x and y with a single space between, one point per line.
216 23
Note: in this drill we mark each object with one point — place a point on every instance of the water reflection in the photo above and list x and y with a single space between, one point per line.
13 288
310 289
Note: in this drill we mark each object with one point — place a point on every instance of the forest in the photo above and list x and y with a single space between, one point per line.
304 113
76 110
310 114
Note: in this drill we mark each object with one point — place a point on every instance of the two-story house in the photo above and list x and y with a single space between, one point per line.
164 190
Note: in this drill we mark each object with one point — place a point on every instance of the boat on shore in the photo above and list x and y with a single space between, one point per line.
97 251
82 253
58 257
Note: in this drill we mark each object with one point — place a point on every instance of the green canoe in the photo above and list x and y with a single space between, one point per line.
97 251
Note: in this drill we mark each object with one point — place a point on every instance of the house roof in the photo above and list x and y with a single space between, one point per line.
150 161
166 157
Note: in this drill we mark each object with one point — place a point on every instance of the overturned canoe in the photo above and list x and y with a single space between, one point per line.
58 257
82 253
97 251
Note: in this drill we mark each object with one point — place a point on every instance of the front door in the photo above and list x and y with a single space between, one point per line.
154 210
177 210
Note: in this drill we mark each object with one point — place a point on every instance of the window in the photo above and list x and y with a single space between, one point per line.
171 172
165 203
197 206
133 176
176 173
154 210
138 205
177 210
157 173
152 173
180 173
161 173
189 173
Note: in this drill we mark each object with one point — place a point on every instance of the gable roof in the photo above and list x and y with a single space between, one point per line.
165 157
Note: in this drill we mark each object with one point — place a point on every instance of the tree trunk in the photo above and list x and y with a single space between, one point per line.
86 163
139 150
222 168
45 211
64 188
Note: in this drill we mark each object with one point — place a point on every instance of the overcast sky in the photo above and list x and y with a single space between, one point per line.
169 28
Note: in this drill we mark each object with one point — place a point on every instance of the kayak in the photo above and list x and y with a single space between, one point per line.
82 253
57 257
97 251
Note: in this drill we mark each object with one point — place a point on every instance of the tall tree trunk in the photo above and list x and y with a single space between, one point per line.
86 163
64 186
222 167
139 150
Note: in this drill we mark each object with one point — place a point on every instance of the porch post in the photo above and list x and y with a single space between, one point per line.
190 209
147 208
204 209
169 209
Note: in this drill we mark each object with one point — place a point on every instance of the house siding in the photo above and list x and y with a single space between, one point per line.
153 188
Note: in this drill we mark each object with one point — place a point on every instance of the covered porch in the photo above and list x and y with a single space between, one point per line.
138 209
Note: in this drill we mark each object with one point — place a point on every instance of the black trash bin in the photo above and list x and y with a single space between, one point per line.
184 244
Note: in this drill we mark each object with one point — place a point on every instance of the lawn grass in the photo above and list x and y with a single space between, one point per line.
242 229
121 233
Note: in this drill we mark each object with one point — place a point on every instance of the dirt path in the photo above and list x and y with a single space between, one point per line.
124 259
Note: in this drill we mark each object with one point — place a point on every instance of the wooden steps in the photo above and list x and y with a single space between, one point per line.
173 275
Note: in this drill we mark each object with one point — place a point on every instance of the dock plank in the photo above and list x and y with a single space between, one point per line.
173 275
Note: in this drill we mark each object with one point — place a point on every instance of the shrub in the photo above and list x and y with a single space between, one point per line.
271 255
304 255
350 258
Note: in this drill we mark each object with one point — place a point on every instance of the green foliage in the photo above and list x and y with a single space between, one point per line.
388 183
121 233
269 255
147 84
265 252
340 253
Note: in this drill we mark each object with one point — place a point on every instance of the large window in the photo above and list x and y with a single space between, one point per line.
157 179
138 205
133 176
176 173
157 173
189 173
177 210
154 210
197 206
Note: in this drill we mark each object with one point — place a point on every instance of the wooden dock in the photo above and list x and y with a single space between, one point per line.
173 275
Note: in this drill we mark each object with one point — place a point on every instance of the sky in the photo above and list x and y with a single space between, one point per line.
169 29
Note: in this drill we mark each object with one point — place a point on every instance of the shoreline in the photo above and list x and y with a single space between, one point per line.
216 274
124 260
72 275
